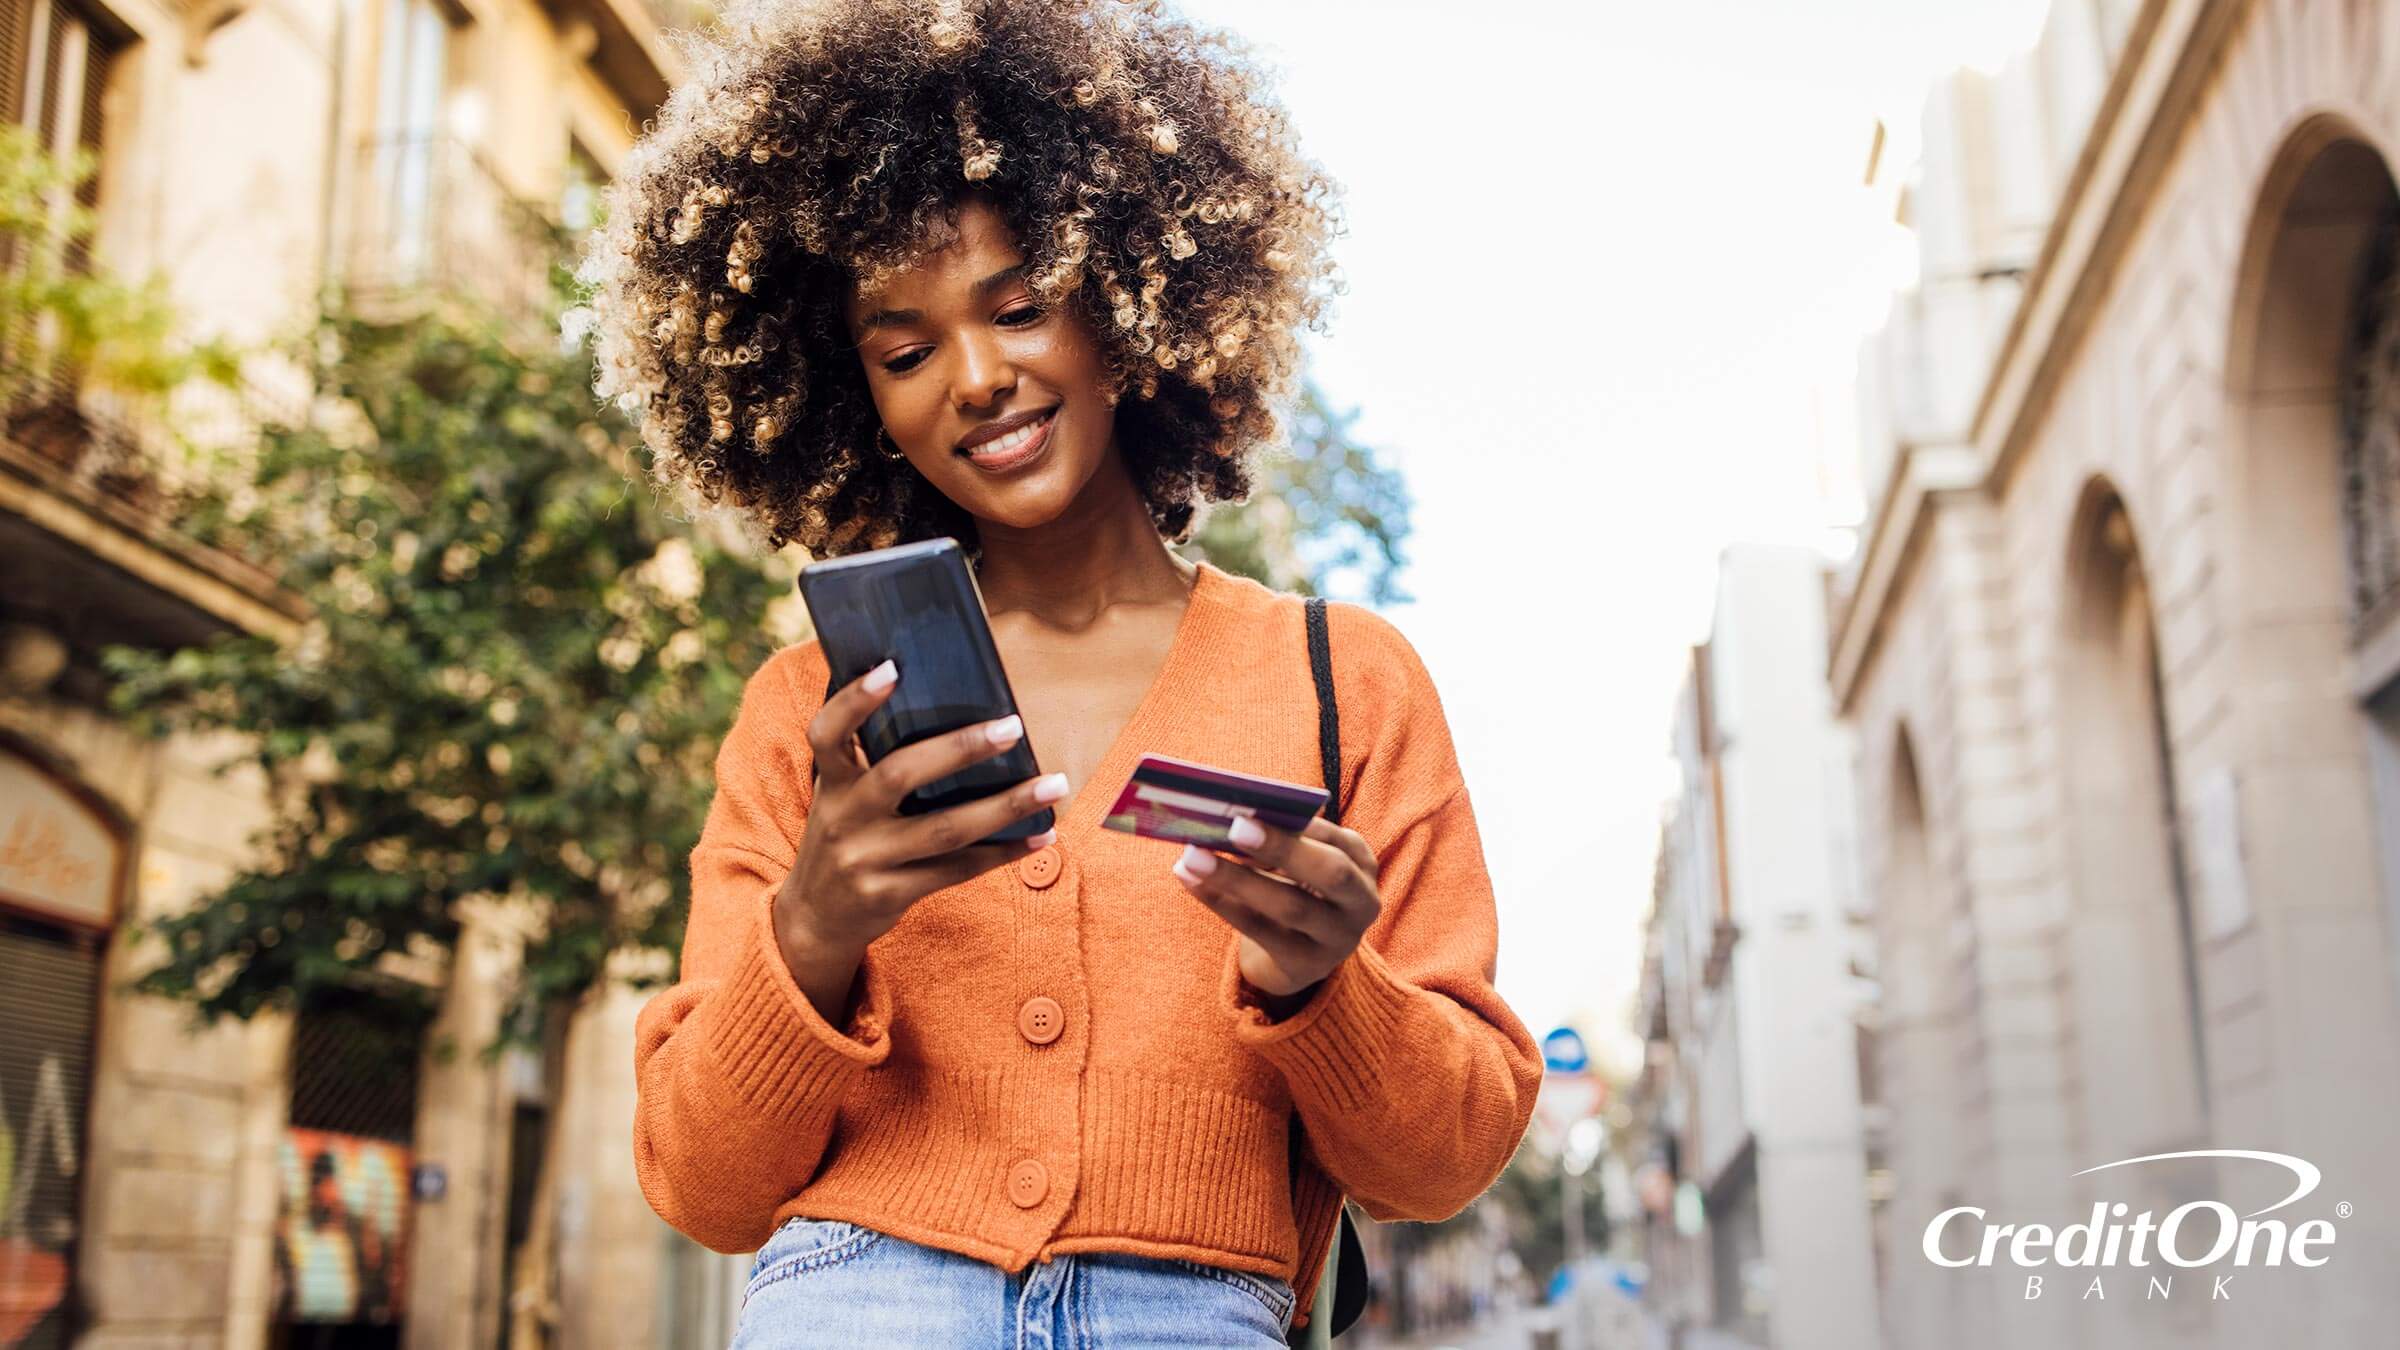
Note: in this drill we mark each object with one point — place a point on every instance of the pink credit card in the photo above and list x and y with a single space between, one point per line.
1187 803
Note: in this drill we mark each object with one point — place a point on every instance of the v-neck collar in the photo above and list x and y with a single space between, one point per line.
1083 812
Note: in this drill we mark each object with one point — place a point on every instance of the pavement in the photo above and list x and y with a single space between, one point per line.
1598 1317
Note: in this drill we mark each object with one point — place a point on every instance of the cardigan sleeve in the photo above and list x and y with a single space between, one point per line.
1413 1079
736 1072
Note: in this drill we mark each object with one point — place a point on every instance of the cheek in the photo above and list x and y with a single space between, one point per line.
1075 347
1094 363
903 405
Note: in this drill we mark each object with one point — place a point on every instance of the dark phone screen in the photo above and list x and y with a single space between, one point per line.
917 606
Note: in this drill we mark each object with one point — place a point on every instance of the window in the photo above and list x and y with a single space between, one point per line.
55 60
412 78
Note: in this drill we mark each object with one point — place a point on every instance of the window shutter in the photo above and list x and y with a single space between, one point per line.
49 989
16 30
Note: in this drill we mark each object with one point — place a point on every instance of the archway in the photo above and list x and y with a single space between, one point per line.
2131 942
1930 1046
2313 389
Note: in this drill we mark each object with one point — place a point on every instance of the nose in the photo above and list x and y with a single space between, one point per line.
985 375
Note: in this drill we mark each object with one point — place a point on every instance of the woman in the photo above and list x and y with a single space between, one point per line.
1031 275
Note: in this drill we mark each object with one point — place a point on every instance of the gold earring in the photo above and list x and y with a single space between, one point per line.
889 447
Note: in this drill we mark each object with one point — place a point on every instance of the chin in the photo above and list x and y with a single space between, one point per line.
1016 511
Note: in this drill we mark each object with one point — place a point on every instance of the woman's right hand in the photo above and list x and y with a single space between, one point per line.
861 863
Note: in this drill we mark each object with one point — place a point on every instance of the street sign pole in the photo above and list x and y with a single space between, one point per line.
1571 1093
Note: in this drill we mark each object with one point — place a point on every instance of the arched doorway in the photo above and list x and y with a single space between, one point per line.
1931 1048
2313 388
2132 943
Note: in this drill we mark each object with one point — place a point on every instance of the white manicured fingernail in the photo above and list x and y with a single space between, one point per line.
1196 862
1245 832
1006 729
1051 788
1041 841
882 677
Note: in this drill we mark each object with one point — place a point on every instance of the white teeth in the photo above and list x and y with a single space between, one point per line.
1010 441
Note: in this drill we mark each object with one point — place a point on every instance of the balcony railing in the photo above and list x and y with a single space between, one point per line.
430 216
100 527
140 457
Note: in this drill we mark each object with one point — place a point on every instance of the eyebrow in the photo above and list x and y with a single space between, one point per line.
894 318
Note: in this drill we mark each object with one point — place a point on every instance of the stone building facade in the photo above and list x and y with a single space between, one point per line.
2118 651
162 1186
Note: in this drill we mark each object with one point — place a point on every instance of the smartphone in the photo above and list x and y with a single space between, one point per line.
917 606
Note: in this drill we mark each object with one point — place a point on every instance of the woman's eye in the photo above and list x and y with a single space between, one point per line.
1018 318
905 362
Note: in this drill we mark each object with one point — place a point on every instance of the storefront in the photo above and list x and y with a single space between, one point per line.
62 867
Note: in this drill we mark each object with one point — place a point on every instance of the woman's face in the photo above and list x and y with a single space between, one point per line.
958 350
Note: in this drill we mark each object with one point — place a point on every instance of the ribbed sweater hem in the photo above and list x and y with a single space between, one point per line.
1150 1164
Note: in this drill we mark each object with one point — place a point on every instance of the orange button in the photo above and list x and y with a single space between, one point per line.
1028 1182
1039 869
1041 1019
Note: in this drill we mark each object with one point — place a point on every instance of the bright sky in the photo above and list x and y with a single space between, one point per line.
1609 264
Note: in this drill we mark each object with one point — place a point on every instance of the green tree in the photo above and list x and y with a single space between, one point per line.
1326 508
512 686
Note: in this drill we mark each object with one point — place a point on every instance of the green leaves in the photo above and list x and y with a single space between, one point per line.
513 685
114 334
1326 509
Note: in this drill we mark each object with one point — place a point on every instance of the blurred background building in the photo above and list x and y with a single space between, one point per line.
376 1168
1751 1095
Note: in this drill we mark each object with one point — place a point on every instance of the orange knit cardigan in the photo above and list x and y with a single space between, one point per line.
1054 1057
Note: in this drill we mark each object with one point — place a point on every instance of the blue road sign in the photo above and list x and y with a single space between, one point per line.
1562 1052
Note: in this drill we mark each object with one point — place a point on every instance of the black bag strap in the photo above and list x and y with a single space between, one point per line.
1329 709
1350 1262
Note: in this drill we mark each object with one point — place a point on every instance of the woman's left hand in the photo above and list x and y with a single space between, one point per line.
1293 935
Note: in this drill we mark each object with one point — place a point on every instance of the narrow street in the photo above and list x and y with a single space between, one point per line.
1601 1317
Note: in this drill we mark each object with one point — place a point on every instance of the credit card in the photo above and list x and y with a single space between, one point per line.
1175 799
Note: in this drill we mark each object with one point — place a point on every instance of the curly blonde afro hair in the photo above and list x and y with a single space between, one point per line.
818 145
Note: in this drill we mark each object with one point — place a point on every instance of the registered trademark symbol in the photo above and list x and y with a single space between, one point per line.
2342 1210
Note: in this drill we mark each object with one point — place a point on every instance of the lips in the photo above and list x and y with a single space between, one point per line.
996 454
1000 427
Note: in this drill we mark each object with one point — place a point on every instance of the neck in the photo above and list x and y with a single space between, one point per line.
1102 550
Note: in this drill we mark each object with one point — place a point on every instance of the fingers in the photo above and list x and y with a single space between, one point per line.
1319 860
957 826
914 765
949 869
1286 947
831 731
1347 840
1231 886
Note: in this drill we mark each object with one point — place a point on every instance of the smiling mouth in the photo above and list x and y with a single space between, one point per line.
1002 452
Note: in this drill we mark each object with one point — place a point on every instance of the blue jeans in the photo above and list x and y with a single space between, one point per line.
822 1282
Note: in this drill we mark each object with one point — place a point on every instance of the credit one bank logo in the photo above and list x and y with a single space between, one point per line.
2111 1238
